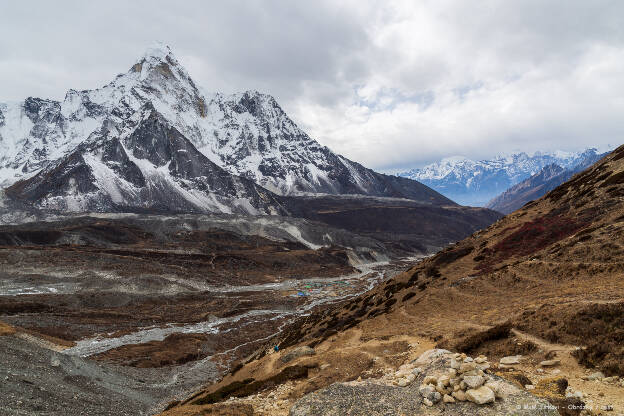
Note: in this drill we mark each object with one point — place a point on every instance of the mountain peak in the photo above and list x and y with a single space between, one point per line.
157 56
158 51
450 160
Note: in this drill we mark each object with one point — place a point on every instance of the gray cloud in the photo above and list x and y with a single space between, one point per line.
390 84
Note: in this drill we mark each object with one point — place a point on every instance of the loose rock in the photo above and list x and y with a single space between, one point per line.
466 367
430 380
427 391
511 360
549 363
448 399
481 395
459 395
497 388
598 375
474 381
574 395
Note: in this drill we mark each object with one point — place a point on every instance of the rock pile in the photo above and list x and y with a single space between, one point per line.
438 382
464 379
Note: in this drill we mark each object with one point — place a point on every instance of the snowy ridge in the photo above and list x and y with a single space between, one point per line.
470 182
539 184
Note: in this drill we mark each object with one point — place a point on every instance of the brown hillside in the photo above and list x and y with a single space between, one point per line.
545 282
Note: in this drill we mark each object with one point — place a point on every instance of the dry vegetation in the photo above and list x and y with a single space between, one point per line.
541 282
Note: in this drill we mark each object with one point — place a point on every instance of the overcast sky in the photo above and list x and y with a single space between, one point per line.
391 84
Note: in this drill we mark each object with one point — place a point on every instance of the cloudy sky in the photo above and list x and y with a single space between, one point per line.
391 84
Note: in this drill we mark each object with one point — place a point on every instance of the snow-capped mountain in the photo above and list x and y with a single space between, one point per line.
470 182
81 153
148 166
539 184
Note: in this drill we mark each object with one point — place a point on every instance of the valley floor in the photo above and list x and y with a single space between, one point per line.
95 346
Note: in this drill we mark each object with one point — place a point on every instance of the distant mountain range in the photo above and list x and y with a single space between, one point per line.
476 183
152 141
538 185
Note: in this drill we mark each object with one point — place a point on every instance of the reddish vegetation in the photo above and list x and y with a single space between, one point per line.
531 237
537 235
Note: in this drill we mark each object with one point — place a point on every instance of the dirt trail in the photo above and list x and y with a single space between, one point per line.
597 393
542 343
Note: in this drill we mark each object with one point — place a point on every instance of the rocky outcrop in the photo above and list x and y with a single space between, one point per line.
438 382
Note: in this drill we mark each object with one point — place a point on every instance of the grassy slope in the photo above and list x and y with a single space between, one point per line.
551 270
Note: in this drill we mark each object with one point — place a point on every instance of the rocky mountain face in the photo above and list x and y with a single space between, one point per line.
153 168
536 298
250 135
538 185
211 151
474 183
